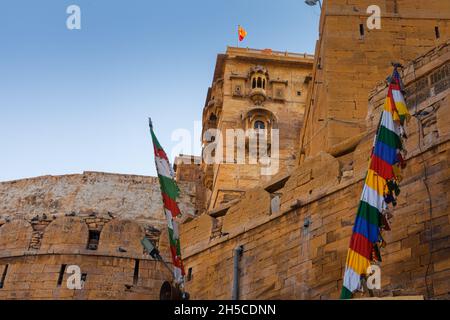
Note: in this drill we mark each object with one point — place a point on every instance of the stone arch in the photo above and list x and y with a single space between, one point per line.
65 234
15 236
259 114
124 234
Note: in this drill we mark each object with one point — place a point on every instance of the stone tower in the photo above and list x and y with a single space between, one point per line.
351 58
254 89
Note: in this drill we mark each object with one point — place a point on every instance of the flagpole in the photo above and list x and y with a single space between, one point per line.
237 40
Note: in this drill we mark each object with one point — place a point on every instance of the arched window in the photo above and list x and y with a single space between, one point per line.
259 125
259 83
258 76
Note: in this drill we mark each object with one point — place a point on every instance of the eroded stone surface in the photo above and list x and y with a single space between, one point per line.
124 196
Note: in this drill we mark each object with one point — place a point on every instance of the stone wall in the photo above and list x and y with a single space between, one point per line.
36 277
113 265
299 252
95 221
188 171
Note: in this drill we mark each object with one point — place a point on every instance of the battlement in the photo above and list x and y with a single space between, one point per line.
269 54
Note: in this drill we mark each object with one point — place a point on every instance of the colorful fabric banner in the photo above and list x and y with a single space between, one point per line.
380 189
170 193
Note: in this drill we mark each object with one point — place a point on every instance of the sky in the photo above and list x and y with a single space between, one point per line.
78 100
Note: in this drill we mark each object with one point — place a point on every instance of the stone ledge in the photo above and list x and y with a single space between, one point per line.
81 253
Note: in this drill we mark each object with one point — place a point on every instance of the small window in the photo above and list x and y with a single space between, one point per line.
83 279
94 237
299 93
254 83
136 272
212 117
361 30
264 84
189 275
275 199
259 125
61 275
437 32
259 83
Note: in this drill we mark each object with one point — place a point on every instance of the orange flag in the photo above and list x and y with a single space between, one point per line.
241 33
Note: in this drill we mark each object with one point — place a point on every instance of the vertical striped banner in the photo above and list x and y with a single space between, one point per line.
170 193
380 190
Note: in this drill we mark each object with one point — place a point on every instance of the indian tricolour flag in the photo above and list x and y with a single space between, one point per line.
170 193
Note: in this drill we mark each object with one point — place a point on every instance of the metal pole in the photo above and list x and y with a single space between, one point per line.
150 123
237 42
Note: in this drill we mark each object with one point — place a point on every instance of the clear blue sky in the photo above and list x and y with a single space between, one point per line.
78 100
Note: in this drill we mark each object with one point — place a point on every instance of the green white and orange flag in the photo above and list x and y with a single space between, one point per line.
170 193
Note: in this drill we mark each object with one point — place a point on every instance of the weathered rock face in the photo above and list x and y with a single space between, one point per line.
125 196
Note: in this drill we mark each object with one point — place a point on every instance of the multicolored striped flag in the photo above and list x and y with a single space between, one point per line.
170 193
380 189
